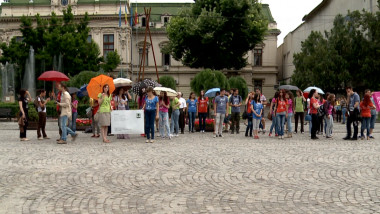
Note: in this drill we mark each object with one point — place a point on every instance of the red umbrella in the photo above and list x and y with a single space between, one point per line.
53 76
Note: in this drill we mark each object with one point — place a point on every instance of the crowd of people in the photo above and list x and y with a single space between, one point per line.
227 109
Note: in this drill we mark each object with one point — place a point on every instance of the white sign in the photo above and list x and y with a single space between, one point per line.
127 122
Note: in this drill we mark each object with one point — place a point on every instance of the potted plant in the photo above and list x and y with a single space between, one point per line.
210 125
83 123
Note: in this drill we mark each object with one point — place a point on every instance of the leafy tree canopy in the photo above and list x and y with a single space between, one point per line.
168 82
208 79
216 34
240 84
349 54
112 61
82 78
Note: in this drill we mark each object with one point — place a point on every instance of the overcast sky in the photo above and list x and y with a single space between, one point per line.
287 13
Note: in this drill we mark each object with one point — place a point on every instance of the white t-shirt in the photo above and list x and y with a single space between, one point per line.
39 107
183 103
263 98
123 102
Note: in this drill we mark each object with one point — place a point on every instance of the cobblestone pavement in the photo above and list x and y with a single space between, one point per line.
193 173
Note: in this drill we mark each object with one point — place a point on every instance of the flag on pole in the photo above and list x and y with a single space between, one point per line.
125 13
136 17
131 17
120 15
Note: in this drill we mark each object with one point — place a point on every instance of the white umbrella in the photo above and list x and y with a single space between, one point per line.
122 82
170 92
320 91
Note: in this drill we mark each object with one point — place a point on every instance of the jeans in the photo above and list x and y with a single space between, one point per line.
274 125
73 125
181 121
174 122
41 124
311 124
366 124
280 123
314 125
164 123
65 130
249 127
219 123
329 125
150 118
289 119
202 121
350 120
191 121
299 116
235 119
373 121
344 110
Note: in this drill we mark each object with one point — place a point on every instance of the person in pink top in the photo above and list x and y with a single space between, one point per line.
329 117
74 110
290 97
164 104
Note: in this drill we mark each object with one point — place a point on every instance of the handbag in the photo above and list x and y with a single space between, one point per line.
245 113
308 117
270 116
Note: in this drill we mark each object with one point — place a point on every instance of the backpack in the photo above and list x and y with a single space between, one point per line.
321 111
230 100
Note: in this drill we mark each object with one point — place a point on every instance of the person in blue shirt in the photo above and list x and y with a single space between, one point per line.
151 108
257 111
192 106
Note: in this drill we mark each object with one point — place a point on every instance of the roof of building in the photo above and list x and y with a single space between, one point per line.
316 10
48 2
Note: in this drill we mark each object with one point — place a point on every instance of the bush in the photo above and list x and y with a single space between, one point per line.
208 79
82 78
168 82
240 84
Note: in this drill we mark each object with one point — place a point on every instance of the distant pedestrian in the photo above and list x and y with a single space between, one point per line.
257 110
248 102
263 101
164 104
202 111
74 110
329 114
235 102
65 106
221 111
41 109
273 114
121 103
338 111
95 120
290 98
321 101
192 106
151 108
176 115
104 112
299 105
24 113
365 108
281 112
182 113
343 104
353 114
373 114
314 106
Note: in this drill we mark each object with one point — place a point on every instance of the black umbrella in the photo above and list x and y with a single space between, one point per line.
288 87
140 87
73 90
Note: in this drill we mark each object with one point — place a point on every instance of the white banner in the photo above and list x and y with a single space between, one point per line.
127 122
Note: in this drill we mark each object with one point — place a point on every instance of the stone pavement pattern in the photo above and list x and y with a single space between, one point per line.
193 173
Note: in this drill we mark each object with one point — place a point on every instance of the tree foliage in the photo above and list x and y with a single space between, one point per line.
208 79
349 54
240 84
59 36
112 61
216 34
82 78
168 82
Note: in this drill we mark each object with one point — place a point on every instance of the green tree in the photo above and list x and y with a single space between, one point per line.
216 34
112 61
59 36
82 78
239 83
208 79
168 82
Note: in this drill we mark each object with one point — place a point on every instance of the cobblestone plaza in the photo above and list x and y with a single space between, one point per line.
193 173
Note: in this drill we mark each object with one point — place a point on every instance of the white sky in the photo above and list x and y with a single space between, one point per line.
287 13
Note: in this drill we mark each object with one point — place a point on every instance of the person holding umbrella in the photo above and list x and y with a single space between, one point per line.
104 100
65 106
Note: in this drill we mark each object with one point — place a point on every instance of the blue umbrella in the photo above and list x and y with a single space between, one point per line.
212 92
82 91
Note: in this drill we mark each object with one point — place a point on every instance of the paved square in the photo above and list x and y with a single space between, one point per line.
193 173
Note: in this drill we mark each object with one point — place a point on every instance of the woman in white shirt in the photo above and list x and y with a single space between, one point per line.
121 102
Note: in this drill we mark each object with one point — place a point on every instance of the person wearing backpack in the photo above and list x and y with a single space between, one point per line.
235 101
329 116
40 105
299 111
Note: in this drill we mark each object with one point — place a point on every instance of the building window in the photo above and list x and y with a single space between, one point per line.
258 57
108 44
141 54
143 21
165 59
258 84
166 20
89 39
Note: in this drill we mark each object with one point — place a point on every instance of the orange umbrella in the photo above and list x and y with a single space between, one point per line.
96 85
